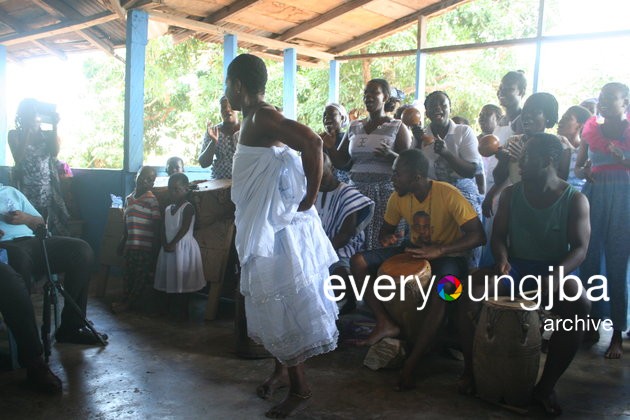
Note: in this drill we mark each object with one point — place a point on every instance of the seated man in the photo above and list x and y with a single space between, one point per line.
71 256
344 213
542 221
454 230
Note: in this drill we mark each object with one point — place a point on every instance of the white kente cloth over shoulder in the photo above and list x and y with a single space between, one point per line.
284 256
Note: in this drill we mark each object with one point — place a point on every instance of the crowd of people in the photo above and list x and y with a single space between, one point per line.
341 203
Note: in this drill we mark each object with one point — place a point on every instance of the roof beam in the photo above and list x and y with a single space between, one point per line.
59 28
101 45
118 9
195 25
321 19
19 26
63 11
392 27
230 10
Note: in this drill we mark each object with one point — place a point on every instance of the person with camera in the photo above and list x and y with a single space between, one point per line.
71 256
35 155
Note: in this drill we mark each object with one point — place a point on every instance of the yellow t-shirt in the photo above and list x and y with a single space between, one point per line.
437 219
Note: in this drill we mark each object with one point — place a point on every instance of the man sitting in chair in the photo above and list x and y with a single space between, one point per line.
70 256
444 228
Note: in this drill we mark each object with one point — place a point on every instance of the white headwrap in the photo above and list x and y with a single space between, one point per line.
345 120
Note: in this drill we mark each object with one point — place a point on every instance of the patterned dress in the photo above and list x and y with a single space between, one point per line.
371 174
609 197
38 180
223 153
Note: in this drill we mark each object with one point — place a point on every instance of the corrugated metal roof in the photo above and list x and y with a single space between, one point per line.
33 28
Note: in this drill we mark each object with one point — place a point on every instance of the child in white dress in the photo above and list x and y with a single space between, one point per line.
179 267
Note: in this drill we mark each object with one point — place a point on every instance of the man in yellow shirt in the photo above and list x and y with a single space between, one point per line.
454 230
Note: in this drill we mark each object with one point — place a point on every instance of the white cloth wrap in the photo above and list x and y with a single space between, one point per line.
284 256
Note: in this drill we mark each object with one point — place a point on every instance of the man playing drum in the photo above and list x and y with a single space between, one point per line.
541 222
454 230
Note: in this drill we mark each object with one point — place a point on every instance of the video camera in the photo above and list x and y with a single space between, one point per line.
46 113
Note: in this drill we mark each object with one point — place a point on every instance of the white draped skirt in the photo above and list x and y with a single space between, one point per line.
286 307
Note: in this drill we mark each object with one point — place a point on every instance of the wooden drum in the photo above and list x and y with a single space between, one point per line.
405 312
506 352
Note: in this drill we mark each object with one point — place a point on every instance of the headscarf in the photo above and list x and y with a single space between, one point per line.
345 120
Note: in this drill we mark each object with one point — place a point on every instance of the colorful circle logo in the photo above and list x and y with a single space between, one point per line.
444 283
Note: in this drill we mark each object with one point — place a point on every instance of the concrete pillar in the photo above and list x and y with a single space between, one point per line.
137 23
333 81
3 105
230 48
421 59
289 102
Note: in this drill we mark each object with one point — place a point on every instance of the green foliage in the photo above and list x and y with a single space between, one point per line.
183 82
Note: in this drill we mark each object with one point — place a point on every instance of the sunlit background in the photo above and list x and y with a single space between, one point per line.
566 68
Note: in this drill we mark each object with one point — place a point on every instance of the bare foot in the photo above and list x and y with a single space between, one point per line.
378 333
548 402
615 350
278 379
292 404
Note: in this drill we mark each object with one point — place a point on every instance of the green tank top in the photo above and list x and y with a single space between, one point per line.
539 234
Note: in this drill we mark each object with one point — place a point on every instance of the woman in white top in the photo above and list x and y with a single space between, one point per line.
370 147
452 153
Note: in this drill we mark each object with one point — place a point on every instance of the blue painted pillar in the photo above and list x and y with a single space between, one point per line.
421 59
3 105
333 81
421 75
289 102
230 46
541 13
137 23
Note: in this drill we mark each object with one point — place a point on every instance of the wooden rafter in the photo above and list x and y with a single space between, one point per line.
321 19
141 4
63 11
230 10
59 28
392 27
51 10
198 26
19 26
118 9
101 45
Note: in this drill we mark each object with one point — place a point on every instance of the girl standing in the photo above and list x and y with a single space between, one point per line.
179 268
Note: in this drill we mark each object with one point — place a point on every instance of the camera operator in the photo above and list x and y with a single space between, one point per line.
35 154
71 256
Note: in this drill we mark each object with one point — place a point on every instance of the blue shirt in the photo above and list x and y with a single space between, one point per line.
11 200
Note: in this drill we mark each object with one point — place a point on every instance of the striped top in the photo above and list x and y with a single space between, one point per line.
141 216
335 206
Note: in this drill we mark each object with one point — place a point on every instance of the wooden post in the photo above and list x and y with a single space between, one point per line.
230 46
137 24
3 105
421 59
333 81
289 103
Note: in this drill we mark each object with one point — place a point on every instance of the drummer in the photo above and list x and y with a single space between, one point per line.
542 221
454 230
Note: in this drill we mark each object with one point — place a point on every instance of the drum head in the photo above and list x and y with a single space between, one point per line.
404 265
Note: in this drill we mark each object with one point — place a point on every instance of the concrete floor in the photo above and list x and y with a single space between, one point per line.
156 368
